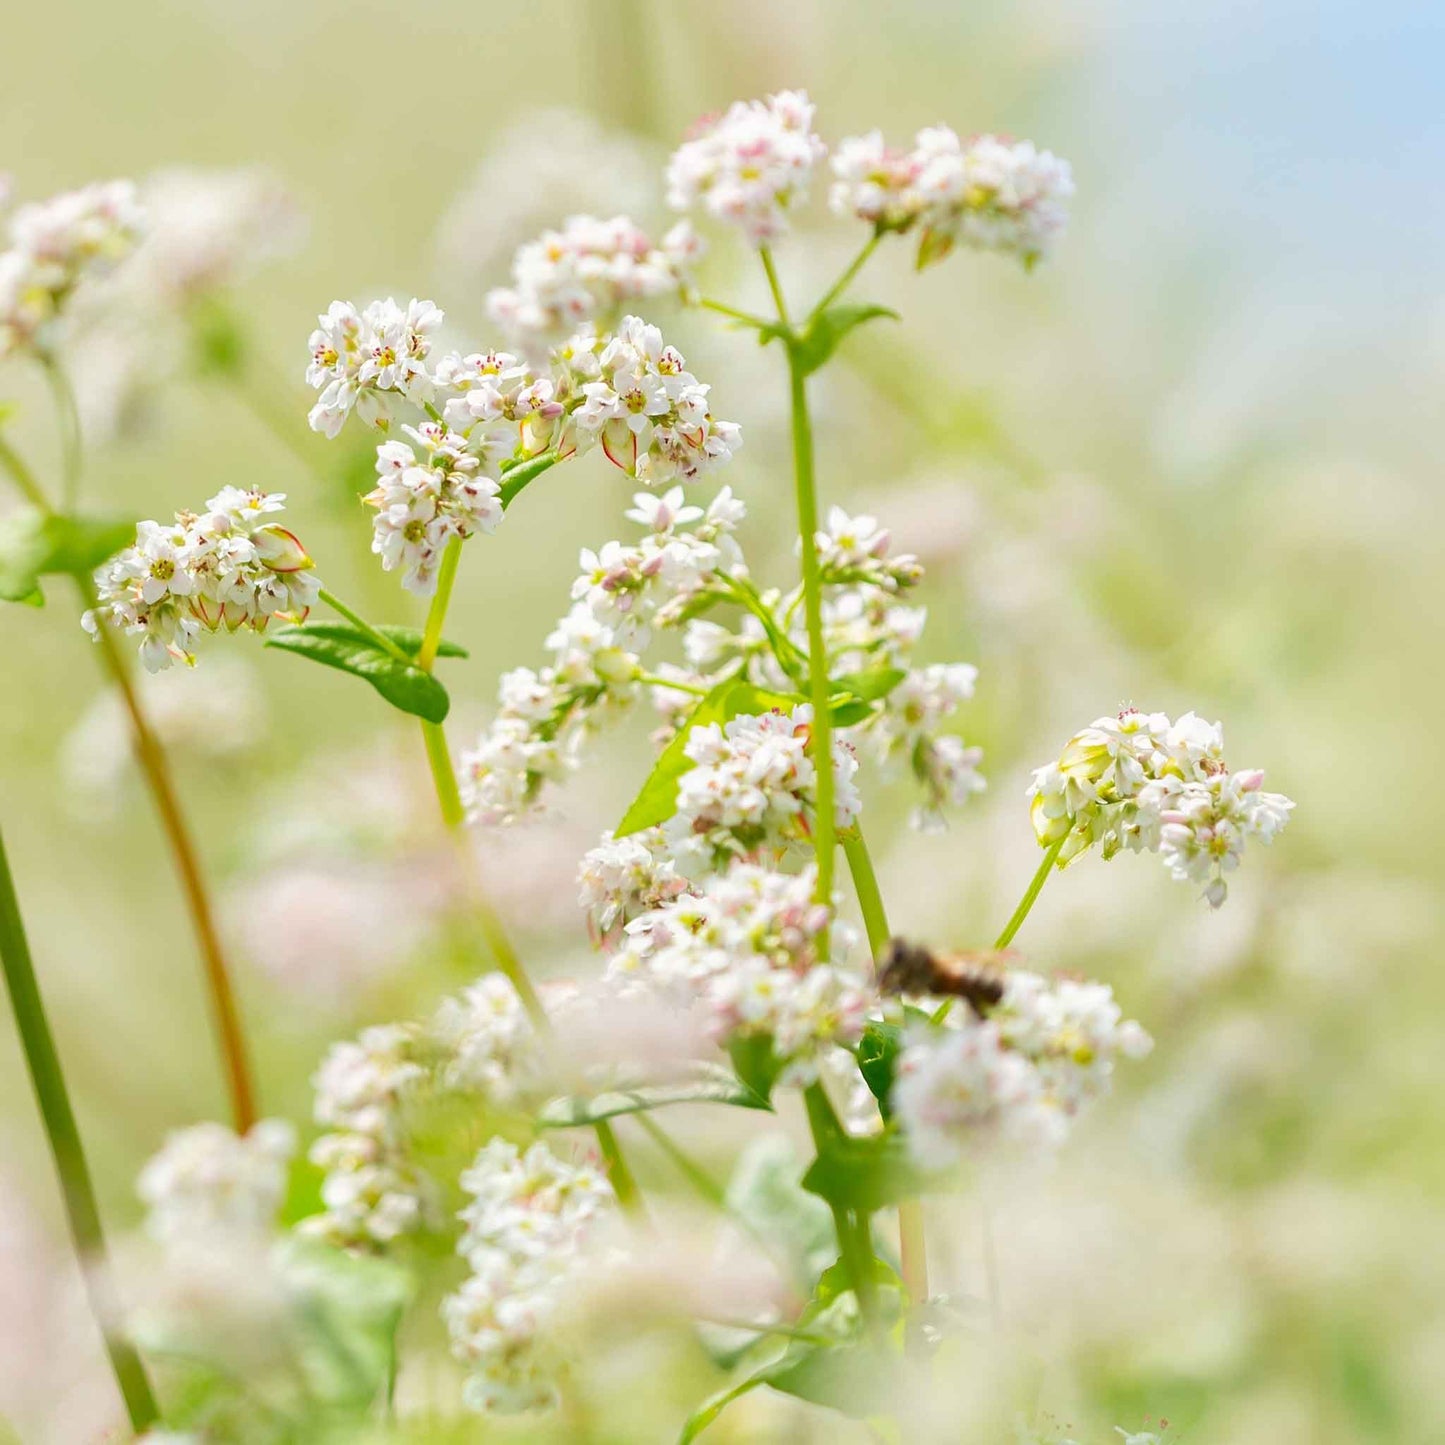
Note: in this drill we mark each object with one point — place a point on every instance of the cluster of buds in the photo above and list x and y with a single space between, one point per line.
228 566
747 949
1142 781
527 1231
54 246
1017 1072
750 165
989 193
587 274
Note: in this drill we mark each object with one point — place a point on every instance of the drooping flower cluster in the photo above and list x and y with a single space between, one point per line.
752 790
424 501
362 359
372 1193
745 949
527 1230
54 246
545 716
586 274
989 193
750 165
489 1045
207 1182
230 565
1143 782
1018 1074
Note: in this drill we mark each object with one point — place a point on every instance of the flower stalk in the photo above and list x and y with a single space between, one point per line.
53 1097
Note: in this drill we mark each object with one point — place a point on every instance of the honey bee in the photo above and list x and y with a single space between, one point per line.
912 968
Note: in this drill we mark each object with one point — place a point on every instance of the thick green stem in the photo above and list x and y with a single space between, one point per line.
51 1094
821 743
855 1248
1035 887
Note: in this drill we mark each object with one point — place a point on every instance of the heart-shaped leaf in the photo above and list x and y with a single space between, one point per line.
827 330
347 648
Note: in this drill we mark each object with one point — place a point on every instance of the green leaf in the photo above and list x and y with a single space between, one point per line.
515 477
36 544
657 801
864 1173
827 330
764 1193
714 1405
872 685
756 1063
340 645
409 639
721 1088
854 1379
848 711
878 1052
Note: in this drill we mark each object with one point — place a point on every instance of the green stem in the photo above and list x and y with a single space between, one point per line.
732 312
68 418
1030 897
855 1249
363 626
774 285
688 1167
912 1228
651 679
865 884
825 821
846 279
82 1212
24 478
454 816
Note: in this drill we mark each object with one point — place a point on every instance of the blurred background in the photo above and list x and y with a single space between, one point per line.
1191 462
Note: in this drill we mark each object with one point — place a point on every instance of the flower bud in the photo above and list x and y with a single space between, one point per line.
281 550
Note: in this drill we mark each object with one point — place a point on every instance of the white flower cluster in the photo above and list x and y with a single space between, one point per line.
1140 781
990 193
587 274
745 949
360 359
423 502
752 790
750 165
1018 1075
372 1193
545 717
907 729
527 1231
208 1182
489 1044
630 393
622 878
227 566
54 246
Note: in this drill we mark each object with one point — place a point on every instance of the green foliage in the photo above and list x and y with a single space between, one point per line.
756 1063
819 339
36 544
797 1227
340 645
717 1087
657 801
877 1056
864 1174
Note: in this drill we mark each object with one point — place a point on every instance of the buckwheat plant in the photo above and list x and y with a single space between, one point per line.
473 1148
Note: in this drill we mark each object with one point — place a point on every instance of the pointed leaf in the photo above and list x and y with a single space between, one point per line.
339 645
657 801
872 684
765 1194
408 639
866 1174
828 329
